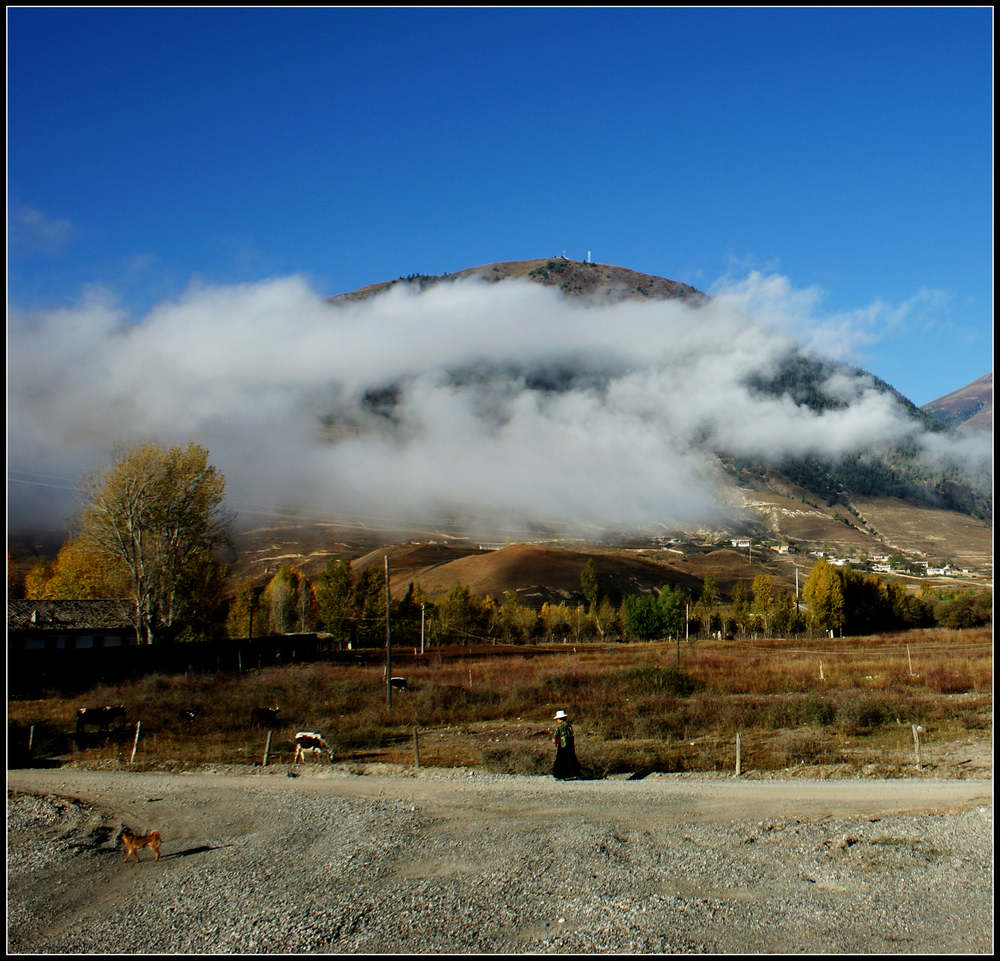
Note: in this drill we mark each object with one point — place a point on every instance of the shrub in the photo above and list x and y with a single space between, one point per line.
947 681
802 747
657 680
862 714
804 711
518 758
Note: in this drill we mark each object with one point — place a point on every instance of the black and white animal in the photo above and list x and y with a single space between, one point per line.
309 742
264 717
100 717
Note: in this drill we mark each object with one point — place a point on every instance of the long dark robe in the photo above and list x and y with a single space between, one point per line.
566 765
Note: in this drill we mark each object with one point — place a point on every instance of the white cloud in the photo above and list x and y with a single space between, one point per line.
504 401
845 335
32 231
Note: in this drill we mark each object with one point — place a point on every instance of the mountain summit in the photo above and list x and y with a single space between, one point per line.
601 283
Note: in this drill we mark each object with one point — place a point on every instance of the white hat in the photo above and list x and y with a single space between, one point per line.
559 715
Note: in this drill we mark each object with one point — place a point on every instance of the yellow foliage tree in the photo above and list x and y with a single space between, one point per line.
79 572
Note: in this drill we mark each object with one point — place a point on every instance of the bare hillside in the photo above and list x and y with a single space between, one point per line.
536 573
969 408
602 283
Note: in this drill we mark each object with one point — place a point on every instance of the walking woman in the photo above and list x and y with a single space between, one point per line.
566 764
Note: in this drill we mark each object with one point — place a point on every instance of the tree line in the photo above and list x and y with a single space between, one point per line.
153 529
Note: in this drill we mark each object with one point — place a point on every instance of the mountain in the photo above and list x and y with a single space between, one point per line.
598 283
896 501
968 408
792 377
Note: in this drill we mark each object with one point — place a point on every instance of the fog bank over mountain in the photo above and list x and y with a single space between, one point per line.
482 403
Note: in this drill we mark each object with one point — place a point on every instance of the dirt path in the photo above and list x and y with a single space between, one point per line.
189 803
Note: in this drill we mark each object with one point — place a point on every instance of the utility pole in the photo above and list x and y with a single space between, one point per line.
422 606
388 642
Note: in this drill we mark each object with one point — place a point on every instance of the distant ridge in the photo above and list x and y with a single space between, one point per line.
968 408
602 283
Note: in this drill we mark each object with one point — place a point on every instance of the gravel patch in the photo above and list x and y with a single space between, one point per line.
460 863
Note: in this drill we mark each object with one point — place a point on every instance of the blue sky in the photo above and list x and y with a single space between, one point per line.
843 154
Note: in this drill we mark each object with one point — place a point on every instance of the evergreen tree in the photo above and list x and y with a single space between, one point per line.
588 584
335 601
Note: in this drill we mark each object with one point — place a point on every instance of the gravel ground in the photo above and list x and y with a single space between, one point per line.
460 862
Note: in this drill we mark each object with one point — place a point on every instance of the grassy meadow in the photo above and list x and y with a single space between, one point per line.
843 701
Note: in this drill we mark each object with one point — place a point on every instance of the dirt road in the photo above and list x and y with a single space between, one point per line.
661 799
648 865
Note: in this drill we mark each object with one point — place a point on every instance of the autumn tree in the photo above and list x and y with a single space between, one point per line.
289 601
556 620
763 600
606 618
823 594
79 573
741 607
519 620
457 612
243 607
783 621
159 514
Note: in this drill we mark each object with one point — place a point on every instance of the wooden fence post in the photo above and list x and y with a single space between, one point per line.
739 754
916 743
135 743
416 749
267 748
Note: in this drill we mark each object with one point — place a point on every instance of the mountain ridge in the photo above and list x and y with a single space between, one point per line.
967 408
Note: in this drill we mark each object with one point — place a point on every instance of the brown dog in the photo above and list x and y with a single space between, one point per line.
135 842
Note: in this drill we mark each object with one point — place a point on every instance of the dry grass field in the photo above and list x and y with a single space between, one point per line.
845 705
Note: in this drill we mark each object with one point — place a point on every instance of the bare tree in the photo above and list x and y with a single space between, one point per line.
159 512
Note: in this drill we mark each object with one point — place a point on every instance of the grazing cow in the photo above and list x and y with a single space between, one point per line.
309 742
264 717
100 717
